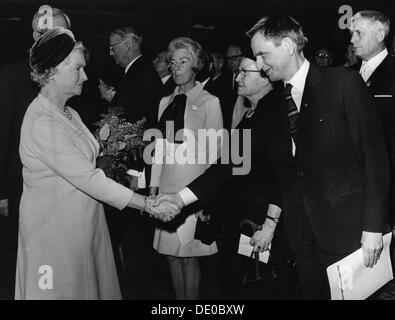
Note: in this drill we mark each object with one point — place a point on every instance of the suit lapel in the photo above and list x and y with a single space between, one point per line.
381 69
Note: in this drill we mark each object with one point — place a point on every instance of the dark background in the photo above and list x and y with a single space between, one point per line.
214 23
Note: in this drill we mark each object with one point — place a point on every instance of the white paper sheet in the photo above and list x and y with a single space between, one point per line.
140 177
245 249
349 279
186 231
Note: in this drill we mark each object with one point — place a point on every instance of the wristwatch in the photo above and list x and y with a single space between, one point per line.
276 220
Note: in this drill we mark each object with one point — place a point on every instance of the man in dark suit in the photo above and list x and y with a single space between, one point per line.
17 92
141 89
335 186
369 30
161 65
139 95
220 85
339 198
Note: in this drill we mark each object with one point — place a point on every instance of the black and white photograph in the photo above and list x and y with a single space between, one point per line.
197 155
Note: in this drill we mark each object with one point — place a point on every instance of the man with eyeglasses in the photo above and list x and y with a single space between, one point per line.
17 92
228 92
323 57
161 65
139 94
141 89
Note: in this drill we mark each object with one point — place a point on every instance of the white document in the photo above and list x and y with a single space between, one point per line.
140 177
349 279
245 249
186 231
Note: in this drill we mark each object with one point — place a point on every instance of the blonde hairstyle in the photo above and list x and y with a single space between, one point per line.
193 47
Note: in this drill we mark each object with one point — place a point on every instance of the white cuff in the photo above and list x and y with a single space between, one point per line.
187 196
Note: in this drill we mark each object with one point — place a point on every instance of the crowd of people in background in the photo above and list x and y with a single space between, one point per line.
320 186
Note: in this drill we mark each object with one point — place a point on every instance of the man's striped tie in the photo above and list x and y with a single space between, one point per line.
292 111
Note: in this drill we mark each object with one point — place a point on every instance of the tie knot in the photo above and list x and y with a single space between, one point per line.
287 90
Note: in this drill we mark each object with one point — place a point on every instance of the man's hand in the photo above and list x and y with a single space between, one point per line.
372 244
165 211
169 197
4 207
263 237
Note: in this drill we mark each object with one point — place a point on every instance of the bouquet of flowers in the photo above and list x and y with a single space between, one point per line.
121 145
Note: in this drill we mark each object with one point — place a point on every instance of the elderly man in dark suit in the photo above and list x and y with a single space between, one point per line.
335 179
161 65
369 30
17 92
141 89
139 94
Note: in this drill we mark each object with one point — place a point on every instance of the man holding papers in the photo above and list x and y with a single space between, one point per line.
335 189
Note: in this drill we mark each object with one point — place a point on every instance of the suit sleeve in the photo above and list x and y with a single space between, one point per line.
7 112
220 173
56 149
367 136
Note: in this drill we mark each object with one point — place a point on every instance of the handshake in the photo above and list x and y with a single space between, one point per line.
164 207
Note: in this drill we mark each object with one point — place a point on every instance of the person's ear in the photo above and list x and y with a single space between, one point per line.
289 45
380 35
36 35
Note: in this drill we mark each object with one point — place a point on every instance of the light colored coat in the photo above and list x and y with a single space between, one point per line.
62 225
202 111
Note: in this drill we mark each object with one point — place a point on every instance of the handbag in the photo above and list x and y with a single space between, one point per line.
207 230
258 279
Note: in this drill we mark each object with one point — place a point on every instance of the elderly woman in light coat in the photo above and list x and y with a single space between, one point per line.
64 249
190 108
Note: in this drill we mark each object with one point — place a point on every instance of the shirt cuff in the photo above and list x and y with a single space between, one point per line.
187 196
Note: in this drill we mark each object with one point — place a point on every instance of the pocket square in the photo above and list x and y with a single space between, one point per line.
383 95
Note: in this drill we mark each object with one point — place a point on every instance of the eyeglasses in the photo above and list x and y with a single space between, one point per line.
242 72
233 58
322 56
111 46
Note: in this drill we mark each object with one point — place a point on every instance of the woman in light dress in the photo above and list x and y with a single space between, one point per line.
64 249
190 108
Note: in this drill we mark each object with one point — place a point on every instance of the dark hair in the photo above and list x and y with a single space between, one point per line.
277 28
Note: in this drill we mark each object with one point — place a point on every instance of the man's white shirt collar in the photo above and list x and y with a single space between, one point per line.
130 64
298 80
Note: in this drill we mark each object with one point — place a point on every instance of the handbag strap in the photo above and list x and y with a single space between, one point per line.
255 255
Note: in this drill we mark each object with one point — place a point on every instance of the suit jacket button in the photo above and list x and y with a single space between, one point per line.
300 173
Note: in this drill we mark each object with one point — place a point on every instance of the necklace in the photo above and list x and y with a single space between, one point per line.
66 112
